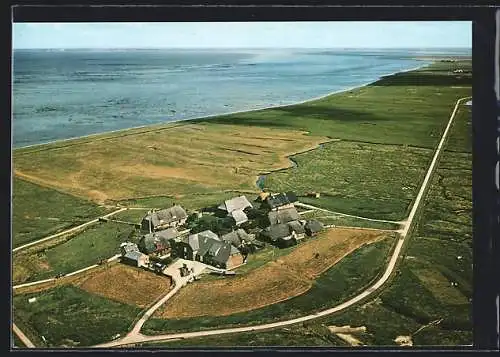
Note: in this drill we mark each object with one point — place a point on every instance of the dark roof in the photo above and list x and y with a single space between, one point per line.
296 227
205 241
236 237
292 197
281 199
221 251
167 234
283 216
133 255
128 247
148 242
165 216
314 226
277 231
200 242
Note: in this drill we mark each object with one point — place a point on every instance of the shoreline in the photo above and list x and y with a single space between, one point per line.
223 114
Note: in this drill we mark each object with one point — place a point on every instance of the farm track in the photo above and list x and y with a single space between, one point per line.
68 231
132 339
22 336
79 271
304 205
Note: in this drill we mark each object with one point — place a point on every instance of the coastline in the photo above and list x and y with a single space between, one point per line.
222 114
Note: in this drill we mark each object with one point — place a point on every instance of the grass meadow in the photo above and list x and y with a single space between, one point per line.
85 320
38 212
99 241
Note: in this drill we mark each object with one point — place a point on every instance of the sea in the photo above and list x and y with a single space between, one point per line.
61 94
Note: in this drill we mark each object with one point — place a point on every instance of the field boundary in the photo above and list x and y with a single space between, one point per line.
68 231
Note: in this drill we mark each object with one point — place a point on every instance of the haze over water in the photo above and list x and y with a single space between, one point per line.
60 94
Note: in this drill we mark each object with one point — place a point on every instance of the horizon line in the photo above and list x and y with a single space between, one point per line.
242 48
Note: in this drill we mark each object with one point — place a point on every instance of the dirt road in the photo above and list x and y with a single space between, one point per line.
74 229
22 336
304 205
139 338
114 257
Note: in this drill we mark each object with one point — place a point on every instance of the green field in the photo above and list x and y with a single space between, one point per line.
342 281
422 292
361 174
68 316
368 180
38 212
295 336
100 241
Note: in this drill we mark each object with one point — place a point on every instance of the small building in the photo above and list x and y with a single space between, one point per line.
189 247
313 194
284 234
223 255
162 219
469 103
278 201
298 229
284 215
157 241
127 247
135 258
313 227
235 208
208 248
238 237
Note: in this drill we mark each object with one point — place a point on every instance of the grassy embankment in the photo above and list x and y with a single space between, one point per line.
340 220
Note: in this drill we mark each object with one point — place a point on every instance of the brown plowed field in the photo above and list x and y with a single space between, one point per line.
127 284
275 281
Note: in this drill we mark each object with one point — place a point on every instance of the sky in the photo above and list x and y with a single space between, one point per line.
244 35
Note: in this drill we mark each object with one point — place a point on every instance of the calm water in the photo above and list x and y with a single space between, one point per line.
64 94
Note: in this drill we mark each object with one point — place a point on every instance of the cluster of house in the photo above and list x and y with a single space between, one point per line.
161 234
286 227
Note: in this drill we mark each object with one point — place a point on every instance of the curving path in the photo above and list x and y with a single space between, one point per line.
114 257
68 231
139 338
